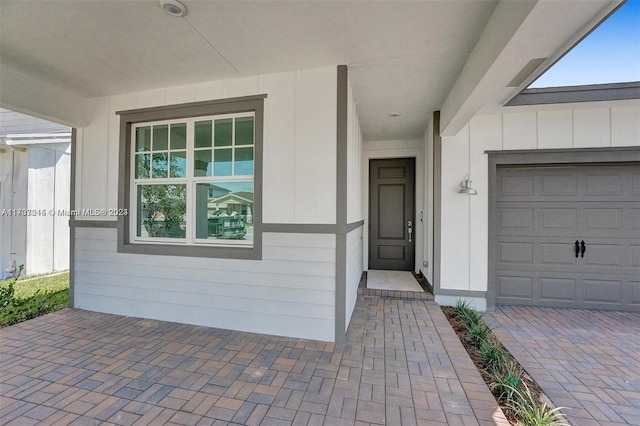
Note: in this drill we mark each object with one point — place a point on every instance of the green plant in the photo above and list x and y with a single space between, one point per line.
461 308
7 293
492 356
477 333
532 412
504 383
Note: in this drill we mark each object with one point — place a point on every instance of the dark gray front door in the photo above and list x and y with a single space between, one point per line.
391 214
569 236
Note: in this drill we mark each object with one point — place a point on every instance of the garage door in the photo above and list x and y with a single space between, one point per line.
568 236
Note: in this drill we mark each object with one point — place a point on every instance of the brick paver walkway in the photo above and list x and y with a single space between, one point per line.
588 361
402 364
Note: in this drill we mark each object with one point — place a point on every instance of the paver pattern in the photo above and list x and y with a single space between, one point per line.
401 364
587 361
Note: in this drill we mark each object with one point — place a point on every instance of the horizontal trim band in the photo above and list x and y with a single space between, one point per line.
93 223
289 228
461 293
192 104
311 228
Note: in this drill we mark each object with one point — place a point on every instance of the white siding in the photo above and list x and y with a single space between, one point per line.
299 179
354 270
48 189
290 292
464 226
354 161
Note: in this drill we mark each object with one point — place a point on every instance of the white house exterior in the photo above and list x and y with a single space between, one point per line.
35 166
317 128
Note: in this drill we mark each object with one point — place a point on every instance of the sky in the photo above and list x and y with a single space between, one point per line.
610 54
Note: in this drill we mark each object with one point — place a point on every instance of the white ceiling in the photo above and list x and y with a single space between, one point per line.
412 57
403 56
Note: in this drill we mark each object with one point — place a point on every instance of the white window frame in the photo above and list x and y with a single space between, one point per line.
190 180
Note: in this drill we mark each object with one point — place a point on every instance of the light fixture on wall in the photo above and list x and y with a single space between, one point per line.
173 7
465 186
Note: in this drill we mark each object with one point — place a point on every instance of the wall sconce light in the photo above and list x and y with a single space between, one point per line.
465 186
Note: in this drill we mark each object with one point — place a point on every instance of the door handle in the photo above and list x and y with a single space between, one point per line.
409 230
583 248
577 248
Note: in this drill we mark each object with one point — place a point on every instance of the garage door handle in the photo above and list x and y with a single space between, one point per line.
577 248
583 248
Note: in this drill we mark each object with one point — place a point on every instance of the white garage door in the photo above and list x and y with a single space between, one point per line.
568 236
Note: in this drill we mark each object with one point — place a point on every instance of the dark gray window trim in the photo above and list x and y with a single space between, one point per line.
544 157
568 94
187 110
342 87
437 201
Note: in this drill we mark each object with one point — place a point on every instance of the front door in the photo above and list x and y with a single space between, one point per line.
391 214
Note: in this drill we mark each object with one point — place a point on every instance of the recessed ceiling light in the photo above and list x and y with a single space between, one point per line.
173 7
395 114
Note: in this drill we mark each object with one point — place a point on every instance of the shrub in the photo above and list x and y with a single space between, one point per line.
492 356
504 384
461 308
532 412
477 333
7 293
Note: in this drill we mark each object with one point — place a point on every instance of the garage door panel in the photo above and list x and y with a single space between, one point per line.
514 287
557 254
540 214
635 256
519 218
608 255
517 183
634 293
602 291
554 219
555 184
519 253
558 289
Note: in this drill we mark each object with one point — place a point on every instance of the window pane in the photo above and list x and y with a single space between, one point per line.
162 211
203 134
160 165
178 166
224 211
222 162
160 138
142 166
179 136
244 161
202 165
224 130
244 131
143 139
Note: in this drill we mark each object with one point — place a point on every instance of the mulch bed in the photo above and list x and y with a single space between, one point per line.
474 354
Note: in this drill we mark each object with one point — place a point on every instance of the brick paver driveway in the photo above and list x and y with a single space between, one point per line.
402 364
588 361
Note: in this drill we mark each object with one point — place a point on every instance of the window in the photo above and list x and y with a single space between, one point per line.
192 184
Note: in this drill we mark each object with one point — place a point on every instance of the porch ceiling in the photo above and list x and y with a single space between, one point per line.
403 56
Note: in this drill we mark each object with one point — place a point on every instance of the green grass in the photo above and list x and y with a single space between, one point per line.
35 295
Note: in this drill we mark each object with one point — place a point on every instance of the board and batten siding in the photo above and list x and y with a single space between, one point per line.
464 219
299 168
354 161
291 291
